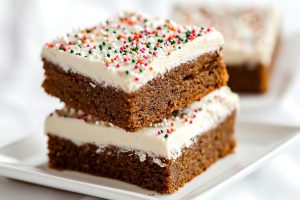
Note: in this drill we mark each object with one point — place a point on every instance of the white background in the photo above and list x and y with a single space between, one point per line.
26 25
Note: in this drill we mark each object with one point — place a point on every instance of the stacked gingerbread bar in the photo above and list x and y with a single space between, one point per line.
146 101
252 35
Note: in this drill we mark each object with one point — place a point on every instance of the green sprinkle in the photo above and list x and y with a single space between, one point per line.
108 55
160 40
72 51
135 49
133 61
85 56
188 33
107 30
76 35
155 48
68 34
100 47
172 42
103 43
166 135
90 51
114 32
109 48
140 70
116 51
199 34
186 40
127 72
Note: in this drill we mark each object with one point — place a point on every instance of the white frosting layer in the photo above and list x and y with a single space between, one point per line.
130 70
199 117
250 32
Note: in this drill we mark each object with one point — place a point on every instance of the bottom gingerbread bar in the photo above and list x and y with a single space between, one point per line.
162 157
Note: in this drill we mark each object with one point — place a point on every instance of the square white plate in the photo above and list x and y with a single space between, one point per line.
26 160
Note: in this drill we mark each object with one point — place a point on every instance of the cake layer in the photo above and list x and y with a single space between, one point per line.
127 51
165 138
158 174
155 100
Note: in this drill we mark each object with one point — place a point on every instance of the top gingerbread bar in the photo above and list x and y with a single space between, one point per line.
132 70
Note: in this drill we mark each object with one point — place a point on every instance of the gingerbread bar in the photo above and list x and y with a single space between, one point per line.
161 157
252 35
132 70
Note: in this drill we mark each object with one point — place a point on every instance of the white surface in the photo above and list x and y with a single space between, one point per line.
215 108
26 160
26 25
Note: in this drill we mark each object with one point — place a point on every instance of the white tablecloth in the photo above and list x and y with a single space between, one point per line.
24 27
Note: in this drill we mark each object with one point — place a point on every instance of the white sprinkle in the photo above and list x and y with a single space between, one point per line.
97 123
72 111
89 117
80 112
93 85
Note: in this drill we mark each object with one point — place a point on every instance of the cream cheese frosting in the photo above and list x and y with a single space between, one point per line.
250 31
130 49
164 139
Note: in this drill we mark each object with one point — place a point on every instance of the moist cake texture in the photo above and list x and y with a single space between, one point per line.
132 70
187 141
251 39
